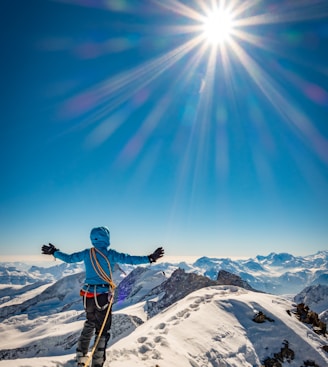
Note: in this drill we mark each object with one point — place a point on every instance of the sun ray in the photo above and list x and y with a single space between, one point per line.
124 86
238 8
287 13
249 22
282 103
113 92
255 40
178 8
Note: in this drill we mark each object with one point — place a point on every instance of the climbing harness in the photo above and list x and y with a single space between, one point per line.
88 294
108 279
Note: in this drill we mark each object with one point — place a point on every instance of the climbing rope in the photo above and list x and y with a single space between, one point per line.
99 270
108 279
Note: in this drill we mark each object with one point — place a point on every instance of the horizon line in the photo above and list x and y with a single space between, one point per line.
166 258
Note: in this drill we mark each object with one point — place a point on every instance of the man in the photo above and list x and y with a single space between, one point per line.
98 289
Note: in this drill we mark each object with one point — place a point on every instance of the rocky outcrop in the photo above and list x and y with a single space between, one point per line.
260 317
285 354
227 278
305 315
179 285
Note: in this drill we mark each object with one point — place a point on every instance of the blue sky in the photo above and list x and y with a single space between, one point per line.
120 113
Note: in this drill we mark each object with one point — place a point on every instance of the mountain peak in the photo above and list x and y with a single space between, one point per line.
226 278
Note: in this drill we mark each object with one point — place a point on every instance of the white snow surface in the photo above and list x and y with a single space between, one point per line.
214 327
211 327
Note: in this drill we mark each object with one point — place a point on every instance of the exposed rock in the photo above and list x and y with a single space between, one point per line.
285 354
179 285
227 278
271 362
325 348
310 363
307 316
260 317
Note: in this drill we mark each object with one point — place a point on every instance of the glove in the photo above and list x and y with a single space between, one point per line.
49 249
156 255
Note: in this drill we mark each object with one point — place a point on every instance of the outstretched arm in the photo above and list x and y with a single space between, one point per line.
118 257
68 258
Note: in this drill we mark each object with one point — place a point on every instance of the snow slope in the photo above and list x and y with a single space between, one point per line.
210 327
214 327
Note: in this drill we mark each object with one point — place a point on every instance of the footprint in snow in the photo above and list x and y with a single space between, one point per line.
148 351
194 306
183 313
160 326
161 341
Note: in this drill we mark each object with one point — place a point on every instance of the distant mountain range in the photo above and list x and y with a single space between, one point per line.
280 273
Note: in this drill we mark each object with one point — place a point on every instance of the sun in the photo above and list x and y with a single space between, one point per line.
217 26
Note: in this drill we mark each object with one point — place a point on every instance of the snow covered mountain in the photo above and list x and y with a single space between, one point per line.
170 314
21 274
213 326
275 273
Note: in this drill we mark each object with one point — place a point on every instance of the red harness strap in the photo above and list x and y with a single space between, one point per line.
87 294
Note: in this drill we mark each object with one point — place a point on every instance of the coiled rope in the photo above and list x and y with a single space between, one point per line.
108 279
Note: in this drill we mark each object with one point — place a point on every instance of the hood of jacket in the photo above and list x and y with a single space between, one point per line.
100 237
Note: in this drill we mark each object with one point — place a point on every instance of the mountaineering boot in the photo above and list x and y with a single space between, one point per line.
81 358
99 356
83 344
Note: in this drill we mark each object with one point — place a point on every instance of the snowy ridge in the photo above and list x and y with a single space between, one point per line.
214 327
135 286
174 289
58 297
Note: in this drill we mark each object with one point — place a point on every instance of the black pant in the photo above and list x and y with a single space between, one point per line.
93 324
96 316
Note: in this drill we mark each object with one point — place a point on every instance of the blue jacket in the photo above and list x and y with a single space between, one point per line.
100 238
